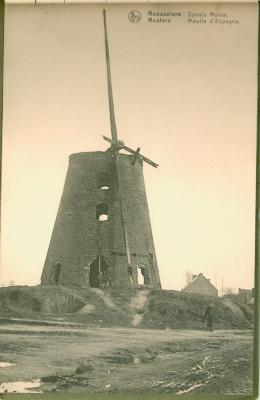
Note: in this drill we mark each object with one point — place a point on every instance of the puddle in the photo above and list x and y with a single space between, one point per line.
126 360
5 364
20 387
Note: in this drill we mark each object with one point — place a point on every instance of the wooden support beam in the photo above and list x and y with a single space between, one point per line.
123 147
136 156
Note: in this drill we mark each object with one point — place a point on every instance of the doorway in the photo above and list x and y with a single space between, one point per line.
55 273
142 275
98 271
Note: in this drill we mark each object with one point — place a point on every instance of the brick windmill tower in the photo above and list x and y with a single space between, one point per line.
102 235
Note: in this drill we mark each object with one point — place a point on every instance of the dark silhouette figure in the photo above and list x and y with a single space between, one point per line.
208 317
98 270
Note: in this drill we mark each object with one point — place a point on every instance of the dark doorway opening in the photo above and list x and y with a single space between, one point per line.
98 272
55 272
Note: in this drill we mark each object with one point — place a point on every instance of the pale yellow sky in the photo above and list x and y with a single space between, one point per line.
184 92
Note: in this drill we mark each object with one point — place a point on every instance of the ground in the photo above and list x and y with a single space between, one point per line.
73 357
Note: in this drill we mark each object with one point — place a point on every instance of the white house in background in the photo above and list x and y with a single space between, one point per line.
201 285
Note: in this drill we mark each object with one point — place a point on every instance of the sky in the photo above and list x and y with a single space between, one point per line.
184 92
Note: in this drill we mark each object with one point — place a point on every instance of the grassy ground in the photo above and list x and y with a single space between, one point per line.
143 308
128 360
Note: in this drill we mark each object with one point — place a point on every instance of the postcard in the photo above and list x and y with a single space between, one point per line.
128 198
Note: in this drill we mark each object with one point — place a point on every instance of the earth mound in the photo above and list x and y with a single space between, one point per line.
142 308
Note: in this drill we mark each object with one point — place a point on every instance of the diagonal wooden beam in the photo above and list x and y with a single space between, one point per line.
147 160
109 84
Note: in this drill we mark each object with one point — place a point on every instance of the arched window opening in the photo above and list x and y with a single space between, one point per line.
104 181
142 275
102 212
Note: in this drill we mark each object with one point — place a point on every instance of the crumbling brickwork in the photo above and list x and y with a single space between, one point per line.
91 192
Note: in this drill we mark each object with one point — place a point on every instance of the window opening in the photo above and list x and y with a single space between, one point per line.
103 217
104 181
102 212
142 275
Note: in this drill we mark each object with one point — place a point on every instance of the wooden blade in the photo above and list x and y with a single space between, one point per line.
109 140
143 157
109 84
133 152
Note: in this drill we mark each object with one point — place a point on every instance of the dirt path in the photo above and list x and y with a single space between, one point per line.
137 305
127 360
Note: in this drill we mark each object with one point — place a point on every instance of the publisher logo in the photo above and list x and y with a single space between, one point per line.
134 16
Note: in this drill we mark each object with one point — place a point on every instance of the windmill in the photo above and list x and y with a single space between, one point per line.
103 220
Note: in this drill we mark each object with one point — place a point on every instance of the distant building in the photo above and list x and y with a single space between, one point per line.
244 291
200 284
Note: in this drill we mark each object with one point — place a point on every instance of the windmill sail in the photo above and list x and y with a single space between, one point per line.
109 84
114 138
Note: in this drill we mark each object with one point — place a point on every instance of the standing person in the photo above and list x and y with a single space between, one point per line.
208 316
